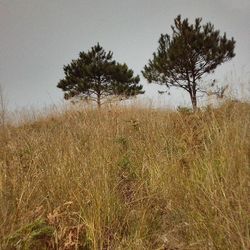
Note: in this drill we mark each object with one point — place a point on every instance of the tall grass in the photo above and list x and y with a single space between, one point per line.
127 178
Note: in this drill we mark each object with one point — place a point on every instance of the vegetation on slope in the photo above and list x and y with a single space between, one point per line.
127 178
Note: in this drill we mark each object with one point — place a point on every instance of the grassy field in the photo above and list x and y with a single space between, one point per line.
127 178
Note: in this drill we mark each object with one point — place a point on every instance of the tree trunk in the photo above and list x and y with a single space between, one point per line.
194 101
98 93
99 101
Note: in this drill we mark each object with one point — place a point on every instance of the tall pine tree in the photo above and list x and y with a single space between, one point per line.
193 51
96 76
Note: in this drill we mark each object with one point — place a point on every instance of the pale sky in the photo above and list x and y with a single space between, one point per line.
37 37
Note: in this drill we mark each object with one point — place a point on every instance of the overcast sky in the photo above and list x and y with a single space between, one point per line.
37 37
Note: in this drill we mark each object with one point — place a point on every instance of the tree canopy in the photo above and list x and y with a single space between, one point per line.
193 51
96 76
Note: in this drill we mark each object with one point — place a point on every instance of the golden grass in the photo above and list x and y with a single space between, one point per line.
127 178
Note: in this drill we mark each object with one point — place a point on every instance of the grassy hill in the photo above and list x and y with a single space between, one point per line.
127 178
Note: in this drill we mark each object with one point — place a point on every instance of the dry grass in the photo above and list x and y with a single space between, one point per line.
127 178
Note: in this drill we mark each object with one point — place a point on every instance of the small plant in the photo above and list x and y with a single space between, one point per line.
123 142
36 235
184 110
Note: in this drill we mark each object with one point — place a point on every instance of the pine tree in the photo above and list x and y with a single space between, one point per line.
96 76
193 51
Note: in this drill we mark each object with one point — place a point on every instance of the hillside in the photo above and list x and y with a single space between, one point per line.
127 178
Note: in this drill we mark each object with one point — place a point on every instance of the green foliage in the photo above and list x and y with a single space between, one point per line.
184 110
193 51
123 142
96 76
32 236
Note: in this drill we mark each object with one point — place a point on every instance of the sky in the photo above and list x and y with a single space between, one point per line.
38 37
